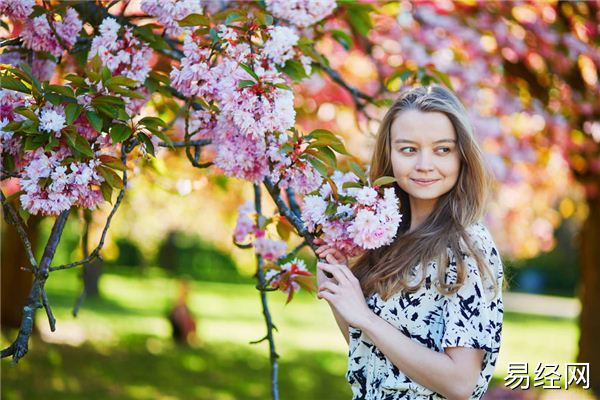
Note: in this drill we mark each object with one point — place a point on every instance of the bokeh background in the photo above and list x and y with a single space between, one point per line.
539 125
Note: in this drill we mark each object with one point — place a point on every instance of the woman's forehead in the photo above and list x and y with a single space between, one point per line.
422 127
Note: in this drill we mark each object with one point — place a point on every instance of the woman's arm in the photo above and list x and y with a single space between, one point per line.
453 374
342 324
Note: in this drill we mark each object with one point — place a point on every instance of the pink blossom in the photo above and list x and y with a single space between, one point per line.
51 187
37 34
270 249
168 12
301 13
16 9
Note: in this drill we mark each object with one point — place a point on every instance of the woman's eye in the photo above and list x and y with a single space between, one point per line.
444 150
407 150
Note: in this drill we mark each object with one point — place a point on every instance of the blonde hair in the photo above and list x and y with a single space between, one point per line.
386 270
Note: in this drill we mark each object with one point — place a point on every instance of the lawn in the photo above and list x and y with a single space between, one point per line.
119 346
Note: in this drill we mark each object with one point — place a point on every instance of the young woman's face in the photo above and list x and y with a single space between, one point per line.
424 154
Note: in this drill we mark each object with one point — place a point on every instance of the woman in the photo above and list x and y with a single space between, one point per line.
431 322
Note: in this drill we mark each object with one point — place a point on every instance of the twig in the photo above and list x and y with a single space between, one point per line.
96 252
260 274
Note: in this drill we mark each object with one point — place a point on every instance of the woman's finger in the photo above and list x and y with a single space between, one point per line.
334 270
329 286
343 268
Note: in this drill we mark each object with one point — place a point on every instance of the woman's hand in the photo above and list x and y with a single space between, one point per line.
324 250
342 292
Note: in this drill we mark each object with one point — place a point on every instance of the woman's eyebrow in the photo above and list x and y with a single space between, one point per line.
412 141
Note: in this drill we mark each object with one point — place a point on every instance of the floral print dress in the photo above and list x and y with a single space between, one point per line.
471 317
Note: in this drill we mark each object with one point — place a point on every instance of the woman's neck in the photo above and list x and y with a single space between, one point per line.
420 209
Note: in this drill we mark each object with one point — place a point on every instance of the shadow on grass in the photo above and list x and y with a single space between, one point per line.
149 368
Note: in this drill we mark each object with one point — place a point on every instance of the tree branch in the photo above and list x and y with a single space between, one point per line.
96 252
260 275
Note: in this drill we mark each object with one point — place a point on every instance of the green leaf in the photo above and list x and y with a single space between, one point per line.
122 81
64 90
72 111
326 155
13 126
246 83
282 86
119 132
95 120
26 112
106 74
384 180
10 83
112 162
111 177
347 185
76 80
34 141
319 166
160 77
358 171
109 111
249 71
331 209
326 138
358 16
36 87
53 98
294 69
147 143
108 100
443 78
153 122
78 142
106 191
125 92
342 38
195 20
37 11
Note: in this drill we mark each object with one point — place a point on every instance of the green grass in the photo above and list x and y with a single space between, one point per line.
119 346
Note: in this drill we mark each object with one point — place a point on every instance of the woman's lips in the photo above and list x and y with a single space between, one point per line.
424 182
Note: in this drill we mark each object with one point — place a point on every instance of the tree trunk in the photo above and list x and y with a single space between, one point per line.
589 293
91 277
16 283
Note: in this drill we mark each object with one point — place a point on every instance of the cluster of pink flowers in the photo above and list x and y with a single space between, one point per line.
168 12
10 99
123 55
16 9
252 109
370 220
245 228
288 169
284 278
38 35
301 13
51 188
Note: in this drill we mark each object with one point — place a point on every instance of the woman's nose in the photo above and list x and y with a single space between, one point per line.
424 162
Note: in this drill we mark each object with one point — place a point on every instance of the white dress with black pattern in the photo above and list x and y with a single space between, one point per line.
471 317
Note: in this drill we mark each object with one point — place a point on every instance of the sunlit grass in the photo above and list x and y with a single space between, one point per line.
125 349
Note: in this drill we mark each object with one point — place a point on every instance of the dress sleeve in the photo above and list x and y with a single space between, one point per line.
472 315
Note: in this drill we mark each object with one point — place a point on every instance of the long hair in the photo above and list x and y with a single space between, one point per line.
387 270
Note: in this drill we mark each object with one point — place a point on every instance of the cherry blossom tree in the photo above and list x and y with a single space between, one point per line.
89 89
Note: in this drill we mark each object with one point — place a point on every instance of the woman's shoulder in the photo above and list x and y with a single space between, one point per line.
480 236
